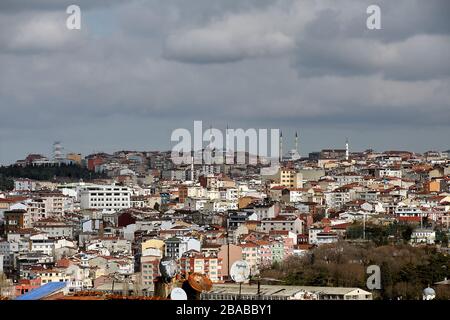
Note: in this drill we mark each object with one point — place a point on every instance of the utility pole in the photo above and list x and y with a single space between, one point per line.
228 246
364 226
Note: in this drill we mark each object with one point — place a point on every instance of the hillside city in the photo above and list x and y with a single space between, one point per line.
100 224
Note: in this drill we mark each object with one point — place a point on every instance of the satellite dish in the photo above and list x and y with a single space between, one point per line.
199 282
178 294
168 268
240 271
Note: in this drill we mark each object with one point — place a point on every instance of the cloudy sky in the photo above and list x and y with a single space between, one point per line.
139 69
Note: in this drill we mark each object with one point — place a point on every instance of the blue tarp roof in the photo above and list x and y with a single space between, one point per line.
42 291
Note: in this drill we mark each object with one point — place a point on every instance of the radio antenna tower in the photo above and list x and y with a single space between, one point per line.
57 151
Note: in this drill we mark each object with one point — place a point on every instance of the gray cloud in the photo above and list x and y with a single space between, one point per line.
416 58
14 6
414 42
139 69
260 32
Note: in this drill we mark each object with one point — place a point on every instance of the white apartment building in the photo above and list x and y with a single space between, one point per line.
108 198
409 211
337 199
267 211
196 192
389 172
196 203
294 195
282 223
312 234
41 243
24 185
326 238
344 179
250 255
54 228
58 203
425 236
47 205
37 209
232 194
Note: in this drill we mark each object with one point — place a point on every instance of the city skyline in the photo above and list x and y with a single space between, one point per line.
289 146
136 71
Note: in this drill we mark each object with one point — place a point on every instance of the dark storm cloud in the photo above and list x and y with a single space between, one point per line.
414 42
14 6
139 69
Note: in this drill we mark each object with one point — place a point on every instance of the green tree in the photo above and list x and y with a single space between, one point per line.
442 237
406 233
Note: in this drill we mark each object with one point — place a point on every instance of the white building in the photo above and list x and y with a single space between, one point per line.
319 236
175 247
24 185
267 211
425 236
109 198
409 211
326 238
195 203
54 228
389 172
283 223
41 243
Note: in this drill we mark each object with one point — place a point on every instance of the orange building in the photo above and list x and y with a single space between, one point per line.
434 186
26 285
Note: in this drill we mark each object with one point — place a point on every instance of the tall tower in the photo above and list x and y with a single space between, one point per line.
192 168
296 142
347 151
281 146
57 151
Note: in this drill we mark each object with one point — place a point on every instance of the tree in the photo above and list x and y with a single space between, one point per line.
6 184
442 238
355 231
50 172
406 233
405 270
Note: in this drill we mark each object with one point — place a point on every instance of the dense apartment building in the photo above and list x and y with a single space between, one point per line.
209 265
108 198
15 220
